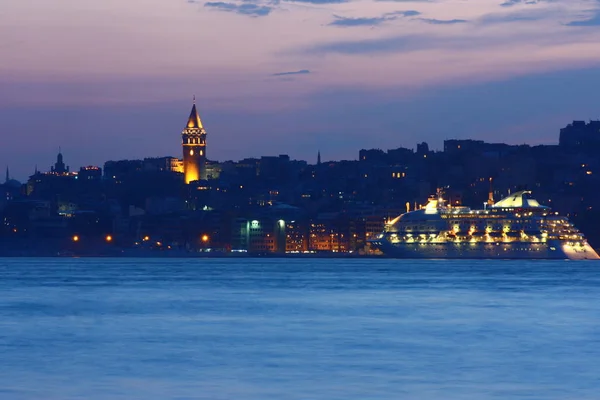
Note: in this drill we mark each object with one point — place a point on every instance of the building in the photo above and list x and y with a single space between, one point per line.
259 236
580 136
155 164
57 181
333 232
59 167
373 156
9 190
90 173
122 169
296 239
194 148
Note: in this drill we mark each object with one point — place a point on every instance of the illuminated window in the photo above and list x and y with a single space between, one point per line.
201 152
192 152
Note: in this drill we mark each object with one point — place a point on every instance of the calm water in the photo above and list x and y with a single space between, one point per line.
298 329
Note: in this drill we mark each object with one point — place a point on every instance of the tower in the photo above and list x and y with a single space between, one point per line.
319 158
59 167
194 147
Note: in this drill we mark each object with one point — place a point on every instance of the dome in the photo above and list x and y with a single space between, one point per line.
13 183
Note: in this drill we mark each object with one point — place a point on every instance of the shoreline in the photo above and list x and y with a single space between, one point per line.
193 255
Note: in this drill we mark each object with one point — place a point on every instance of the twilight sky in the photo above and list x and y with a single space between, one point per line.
114 79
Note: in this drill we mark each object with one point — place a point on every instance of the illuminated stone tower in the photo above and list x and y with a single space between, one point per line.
194 147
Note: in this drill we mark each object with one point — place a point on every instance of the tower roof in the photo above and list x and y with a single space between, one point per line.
194 119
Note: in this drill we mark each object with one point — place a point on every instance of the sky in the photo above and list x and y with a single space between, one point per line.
114 79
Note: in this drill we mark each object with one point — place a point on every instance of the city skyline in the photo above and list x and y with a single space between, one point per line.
114 80
194 122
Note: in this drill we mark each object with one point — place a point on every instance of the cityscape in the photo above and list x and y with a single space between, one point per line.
299 199
195 206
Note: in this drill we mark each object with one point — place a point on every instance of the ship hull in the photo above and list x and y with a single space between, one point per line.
451 250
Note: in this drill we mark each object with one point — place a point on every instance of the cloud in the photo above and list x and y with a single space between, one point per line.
390 16
253 10
406 1
318 1
346 22
258 8
397 44
524 15
594 20
371 21
552 11
443 21
408 13
417 42
300 72
510 3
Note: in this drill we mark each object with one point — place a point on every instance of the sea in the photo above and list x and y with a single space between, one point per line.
306 329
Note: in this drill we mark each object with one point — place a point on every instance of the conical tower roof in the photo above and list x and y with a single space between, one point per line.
194 119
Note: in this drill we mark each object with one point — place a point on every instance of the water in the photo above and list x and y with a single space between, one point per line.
298 329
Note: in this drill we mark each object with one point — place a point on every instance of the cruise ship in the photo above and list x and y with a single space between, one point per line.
516 227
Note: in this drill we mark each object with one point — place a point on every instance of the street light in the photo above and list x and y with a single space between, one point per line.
205 238
109 238
76 238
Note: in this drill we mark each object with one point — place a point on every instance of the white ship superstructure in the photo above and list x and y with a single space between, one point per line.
514 227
